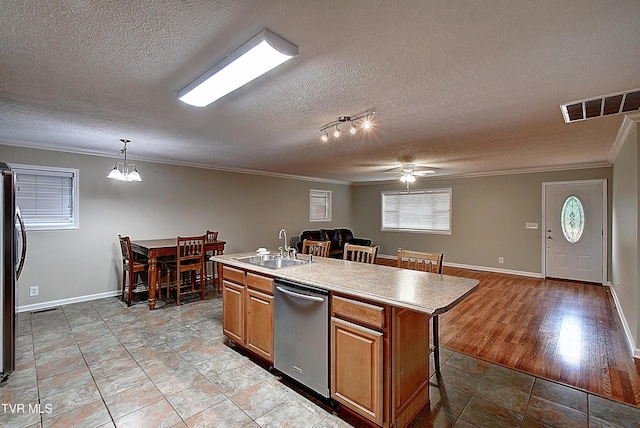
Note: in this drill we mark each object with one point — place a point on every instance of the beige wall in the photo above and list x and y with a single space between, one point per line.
489 215
625 220
247 209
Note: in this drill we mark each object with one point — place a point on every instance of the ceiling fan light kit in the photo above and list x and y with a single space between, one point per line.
409 173
360 121
408 178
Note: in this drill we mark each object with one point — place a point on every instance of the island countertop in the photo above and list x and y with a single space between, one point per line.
429 293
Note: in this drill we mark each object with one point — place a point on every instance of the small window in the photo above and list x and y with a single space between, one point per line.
427 211
572 219
47 197
320 205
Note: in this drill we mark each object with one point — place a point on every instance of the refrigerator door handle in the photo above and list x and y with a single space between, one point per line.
23 232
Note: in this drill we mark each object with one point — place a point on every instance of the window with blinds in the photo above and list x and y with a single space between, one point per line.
320 205
427 211
47 197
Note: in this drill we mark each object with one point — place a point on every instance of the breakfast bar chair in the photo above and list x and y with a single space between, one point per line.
189 259
209 266
130 268
360 253
427 262
416 260
316 248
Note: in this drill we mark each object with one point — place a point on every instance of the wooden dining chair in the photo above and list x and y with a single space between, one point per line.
130 268
427 262
189 260
316 248
209 266
416 260
360 253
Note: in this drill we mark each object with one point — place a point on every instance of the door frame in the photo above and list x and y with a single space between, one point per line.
605 223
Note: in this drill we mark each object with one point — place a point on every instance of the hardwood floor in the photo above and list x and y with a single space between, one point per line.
563 331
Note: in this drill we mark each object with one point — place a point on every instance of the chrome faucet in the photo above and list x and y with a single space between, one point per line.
285 248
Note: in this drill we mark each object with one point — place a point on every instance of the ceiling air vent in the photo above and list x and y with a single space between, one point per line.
605 105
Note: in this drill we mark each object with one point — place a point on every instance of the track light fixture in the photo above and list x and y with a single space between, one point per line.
360 121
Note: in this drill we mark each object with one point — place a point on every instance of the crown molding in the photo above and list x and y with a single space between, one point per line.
27 145
623 133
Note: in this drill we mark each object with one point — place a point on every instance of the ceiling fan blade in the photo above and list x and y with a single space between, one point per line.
424 172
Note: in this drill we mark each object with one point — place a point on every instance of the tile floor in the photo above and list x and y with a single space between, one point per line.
101 364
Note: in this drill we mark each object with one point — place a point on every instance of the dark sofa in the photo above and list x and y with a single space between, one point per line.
338 238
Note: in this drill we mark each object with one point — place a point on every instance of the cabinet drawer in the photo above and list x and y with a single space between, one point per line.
231 274
260 282
354 310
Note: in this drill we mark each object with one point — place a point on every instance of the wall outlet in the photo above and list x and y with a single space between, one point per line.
34 291
500 259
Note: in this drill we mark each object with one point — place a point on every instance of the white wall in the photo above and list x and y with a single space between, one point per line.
625 239
248 211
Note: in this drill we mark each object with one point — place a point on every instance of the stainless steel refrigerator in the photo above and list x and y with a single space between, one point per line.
13 249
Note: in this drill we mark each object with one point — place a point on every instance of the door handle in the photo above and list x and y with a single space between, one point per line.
23 231
300 296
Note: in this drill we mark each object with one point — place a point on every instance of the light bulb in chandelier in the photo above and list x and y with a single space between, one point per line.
324 137
336 133
353 129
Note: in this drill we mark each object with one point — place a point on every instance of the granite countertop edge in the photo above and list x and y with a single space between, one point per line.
429 293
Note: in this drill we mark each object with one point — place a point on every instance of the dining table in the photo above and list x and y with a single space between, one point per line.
155 248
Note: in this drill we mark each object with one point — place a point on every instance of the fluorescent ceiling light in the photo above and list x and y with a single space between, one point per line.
263 52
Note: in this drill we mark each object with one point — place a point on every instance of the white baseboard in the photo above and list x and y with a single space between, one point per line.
627 331
479 268
54 303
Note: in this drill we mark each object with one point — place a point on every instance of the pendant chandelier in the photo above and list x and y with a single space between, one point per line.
124 171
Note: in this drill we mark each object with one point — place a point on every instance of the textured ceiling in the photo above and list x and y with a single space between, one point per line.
463 87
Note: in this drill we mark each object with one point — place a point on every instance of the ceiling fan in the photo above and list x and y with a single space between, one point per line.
409 171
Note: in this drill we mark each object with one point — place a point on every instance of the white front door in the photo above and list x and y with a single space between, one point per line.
574 225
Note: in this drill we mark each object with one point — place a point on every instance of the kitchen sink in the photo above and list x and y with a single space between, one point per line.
272 261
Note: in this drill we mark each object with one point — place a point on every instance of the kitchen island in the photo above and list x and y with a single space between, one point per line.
379 335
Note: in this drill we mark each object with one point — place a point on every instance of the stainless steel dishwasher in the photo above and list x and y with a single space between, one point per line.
301 334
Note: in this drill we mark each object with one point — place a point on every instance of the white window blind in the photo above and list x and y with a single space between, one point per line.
417 211
320 205
47 197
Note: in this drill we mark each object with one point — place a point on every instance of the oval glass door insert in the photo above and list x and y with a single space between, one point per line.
572 219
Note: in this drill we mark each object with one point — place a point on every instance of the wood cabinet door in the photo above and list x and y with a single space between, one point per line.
259 320
357 368
233 311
